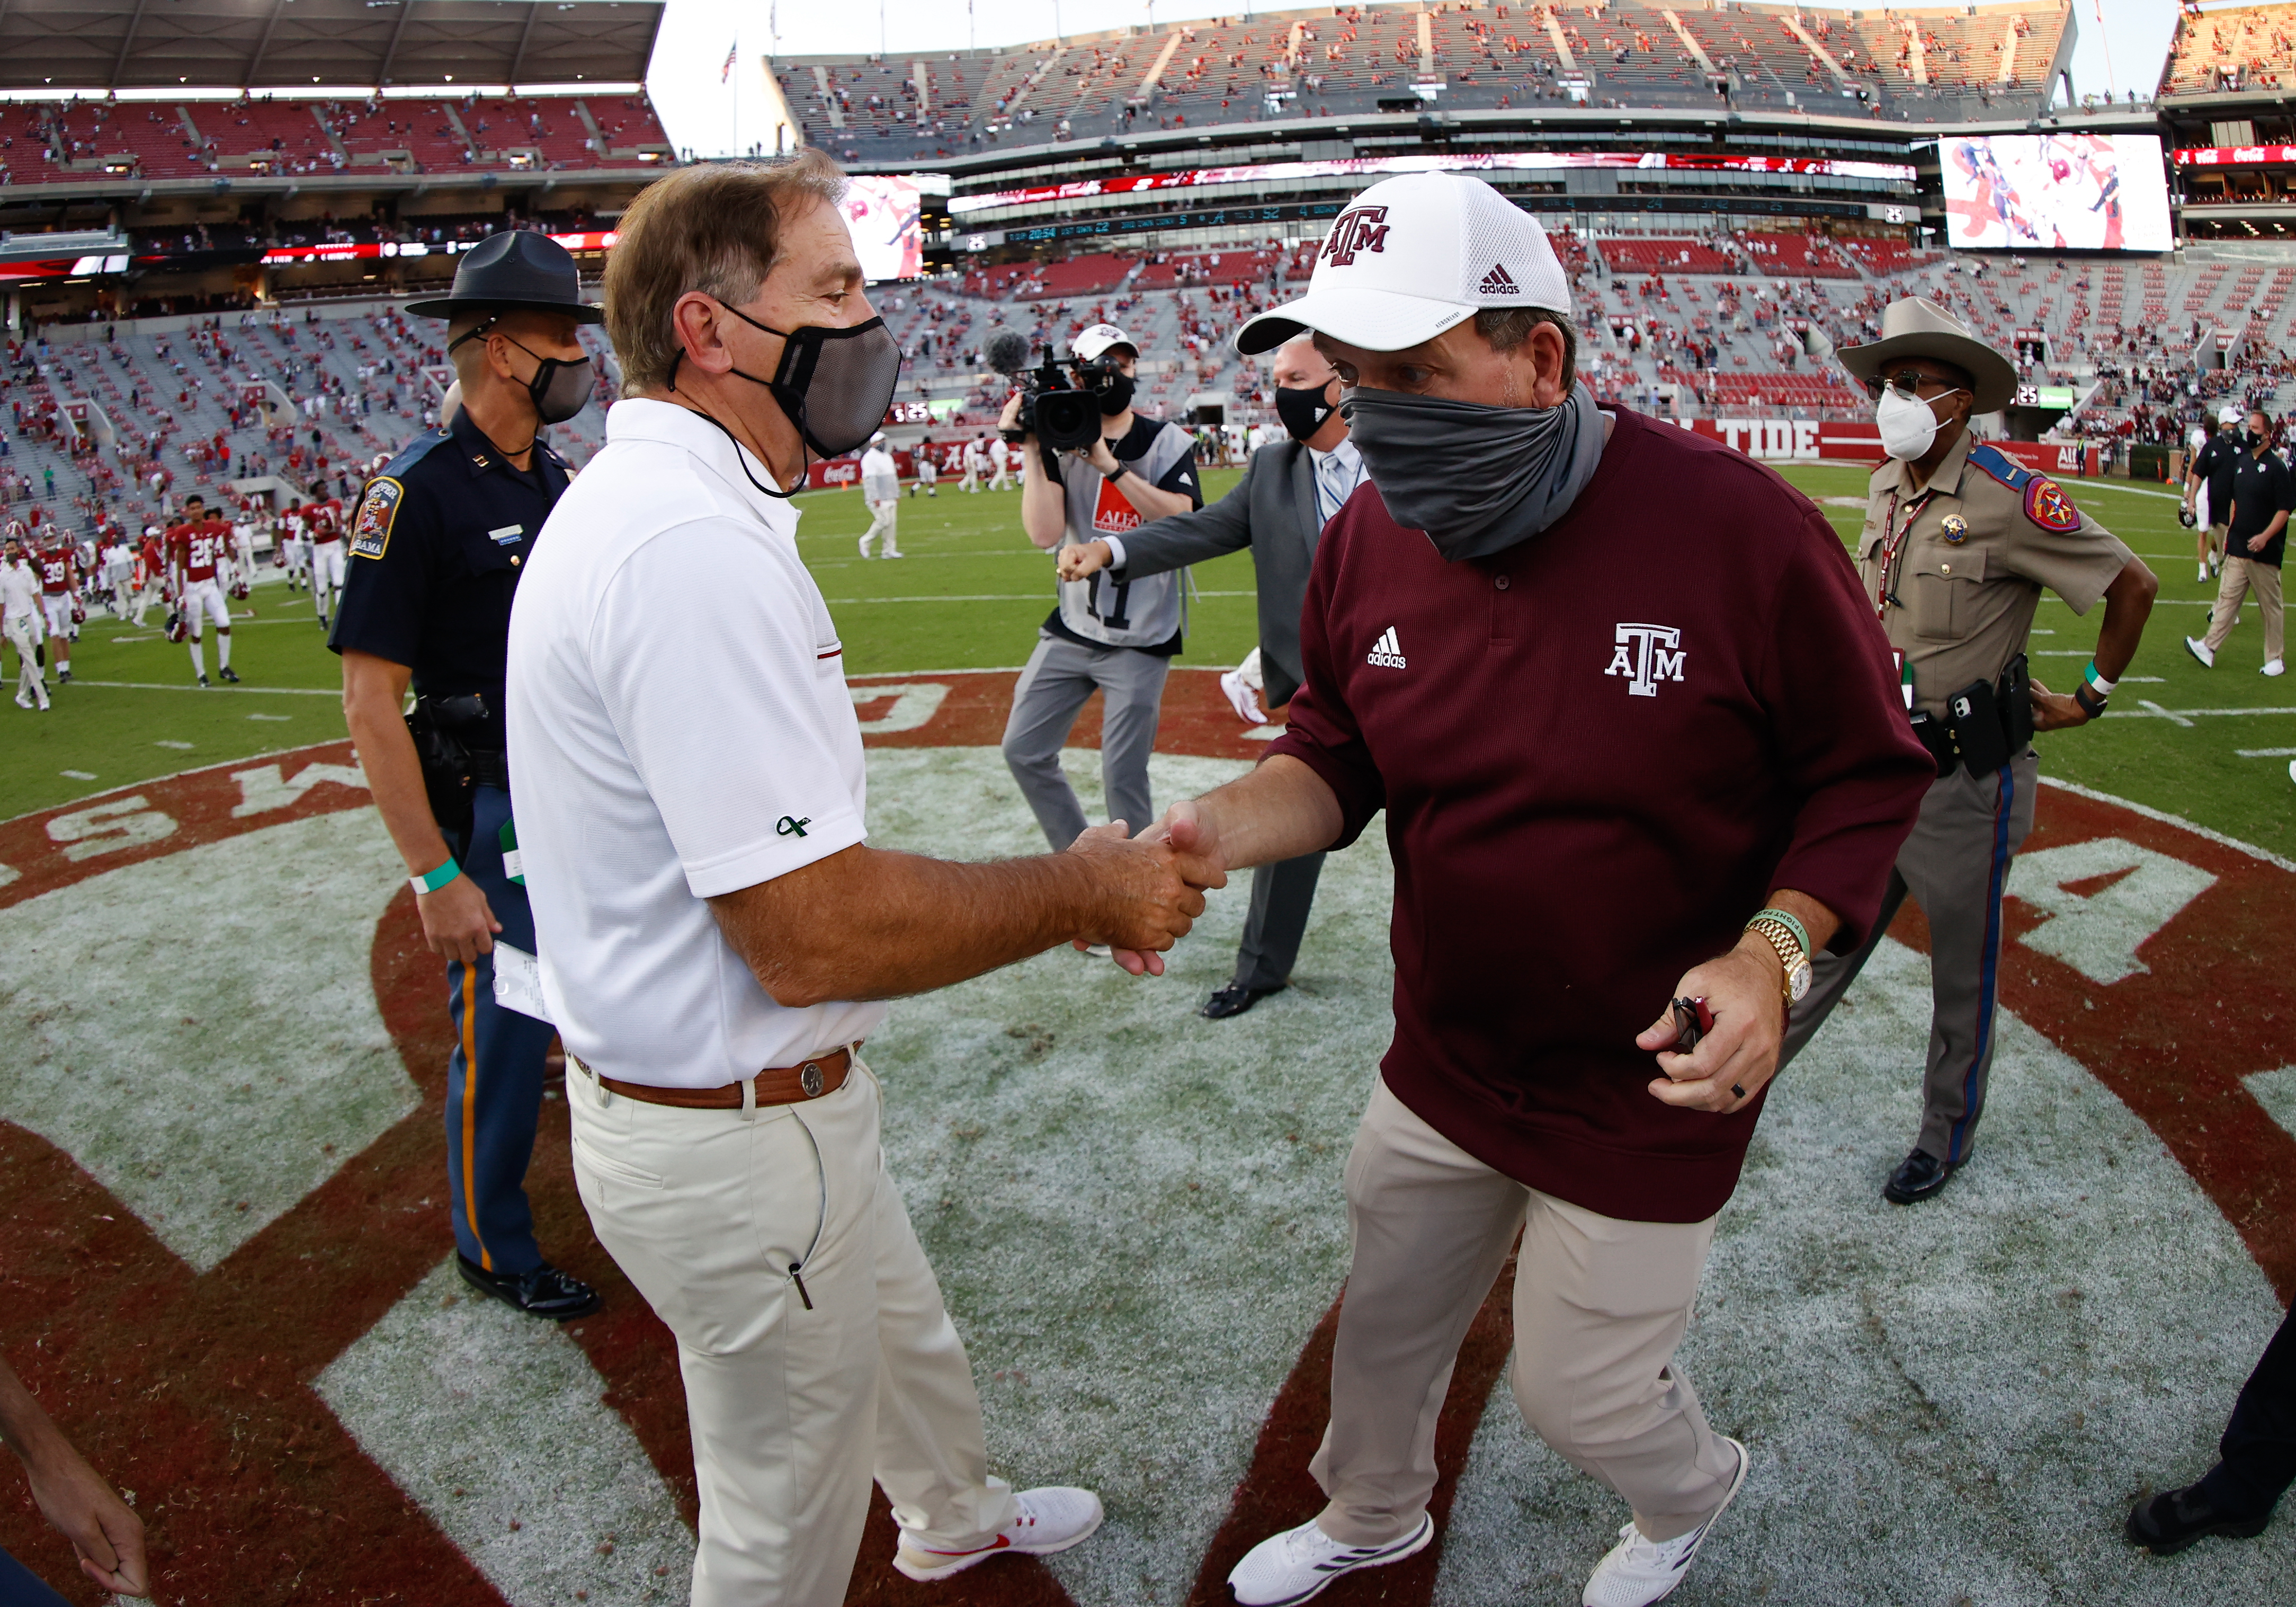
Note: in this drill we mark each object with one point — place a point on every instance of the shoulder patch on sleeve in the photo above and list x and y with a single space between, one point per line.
2000 466
2047 506
378 510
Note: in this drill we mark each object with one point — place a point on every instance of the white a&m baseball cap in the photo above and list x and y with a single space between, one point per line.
1410 258
1096 338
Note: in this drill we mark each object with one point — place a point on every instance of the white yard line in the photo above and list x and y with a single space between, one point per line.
2165 818
287 692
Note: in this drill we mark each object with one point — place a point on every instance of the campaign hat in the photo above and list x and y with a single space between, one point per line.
513 270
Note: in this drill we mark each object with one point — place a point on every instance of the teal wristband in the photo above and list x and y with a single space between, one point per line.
1801 933
433 880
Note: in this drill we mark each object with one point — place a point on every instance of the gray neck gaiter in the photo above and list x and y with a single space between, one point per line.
1477 480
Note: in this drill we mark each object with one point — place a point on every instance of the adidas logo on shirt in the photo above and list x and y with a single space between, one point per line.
1387 652
1498 282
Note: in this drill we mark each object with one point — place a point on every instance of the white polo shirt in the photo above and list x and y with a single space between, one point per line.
670 745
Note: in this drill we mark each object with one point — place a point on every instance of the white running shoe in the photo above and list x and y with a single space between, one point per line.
2200 650
2204 571
1639 1571
1294 1565
2275 666
1044 1521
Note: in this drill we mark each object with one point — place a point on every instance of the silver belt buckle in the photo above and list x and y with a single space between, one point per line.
810 1080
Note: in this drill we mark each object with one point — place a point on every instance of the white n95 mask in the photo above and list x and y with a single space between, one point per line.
1908 423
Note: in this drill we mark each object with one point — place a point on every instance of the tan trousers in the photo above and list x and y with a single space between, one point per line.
1599 1305
792 1409
2240 575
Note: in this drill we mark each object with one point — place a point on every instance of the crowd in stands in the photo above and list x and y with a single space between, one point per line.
2231 49
1354 60
45 140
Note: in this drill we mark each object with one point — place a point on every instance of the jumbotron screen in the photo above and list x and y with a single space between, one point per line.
2055 191
884 212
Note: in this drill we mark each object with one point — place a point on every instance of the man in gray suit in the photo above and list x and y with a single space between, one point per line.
1289 488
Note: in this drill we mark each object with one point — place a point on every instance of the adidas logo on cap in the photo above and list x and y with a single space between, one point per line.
1497 283
1387 652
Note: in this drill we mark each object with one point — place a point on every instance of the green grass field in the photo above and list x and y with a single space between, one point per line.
2208 745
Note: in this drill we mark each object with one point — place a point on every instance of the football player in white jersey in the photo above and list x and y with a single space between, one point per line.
20 618
196 552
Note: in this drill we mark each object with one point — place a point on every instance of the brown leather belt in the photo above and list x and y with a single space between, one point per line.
776 1086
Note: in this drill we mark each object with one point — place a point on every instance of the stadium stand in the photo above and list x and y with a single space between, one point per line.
1920 65
2237 48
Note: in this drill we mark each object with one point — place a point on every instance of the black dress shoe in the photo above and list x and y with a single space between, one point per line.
2174 1518
545 1292
1234 999
1918 1176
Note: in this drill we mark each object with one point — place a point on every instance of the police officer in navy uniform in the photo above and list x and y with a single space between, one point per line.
1960 540
436 546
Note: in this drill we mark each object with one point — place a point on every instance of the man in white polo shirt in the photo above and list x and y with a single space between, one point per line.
713 929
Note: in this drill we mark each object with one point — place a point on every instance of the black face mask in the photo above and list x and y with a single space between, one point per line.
1114 391
1303 409
833 384
558 390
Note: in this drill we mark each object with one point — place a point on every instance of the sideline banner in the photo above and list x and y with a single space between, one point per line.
1809 441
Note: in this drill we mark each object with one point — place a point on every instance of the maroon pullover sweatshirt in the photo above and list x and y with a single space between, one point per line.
1599 750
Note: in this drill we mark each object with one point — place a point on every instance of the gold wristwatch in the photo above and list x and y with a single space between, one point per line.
1791 954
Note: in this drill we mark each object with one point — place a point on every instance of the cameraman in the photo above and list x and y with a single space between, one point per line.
1118 638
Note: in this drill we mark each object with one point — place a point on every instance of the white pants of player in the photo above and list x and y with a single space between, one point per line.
24 636
326 568
971 476
205 598
56 609
882 518
794 1409
997 480
929 477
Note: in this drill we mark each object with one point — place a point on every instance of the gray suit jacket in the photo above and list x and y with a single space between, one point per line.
1272 511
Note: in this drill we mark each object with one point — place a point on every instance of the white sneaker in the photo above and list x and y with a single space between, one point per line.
1639 1571
2206 654
2204 573
1294 1565
2275 666
1044 1521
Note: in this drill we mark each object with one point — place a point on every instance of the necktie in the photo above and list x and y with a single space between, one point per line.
1333 486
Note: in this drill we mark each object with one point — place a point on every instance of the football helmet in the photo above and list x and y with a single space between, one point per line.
175 628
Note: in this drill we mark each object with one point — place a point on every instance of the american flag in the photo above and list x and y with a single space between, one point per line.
725 72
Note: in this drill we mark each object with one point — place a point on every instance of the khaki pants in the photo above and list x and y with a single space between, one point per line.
792 1409
884 518
1599 1305
2240 576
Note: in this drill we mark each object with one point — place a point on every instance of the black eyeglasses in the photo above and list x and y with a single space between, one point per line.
1907 382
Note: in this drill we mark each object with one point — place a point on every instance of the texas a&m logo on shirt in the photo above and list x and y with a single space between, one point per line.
1357 229
1647 654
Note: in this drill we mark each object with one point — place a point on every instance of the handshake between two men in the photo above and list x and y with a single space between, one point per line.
876 924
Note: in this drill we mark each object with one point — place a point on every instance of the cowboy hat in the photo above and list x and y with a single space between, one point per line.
1913 327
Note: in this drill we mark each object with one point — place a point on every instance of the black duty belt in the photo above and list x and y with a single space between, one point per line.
1986 724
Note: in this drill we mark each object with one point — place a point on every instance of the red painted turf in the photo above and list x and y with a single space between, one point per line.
194 1391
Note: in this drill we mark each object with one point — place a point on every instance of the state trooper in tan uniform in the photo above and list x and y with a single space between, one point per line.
1960 539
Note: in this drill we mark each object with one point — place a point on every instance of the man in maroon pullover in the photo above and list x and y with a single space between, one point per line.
1638 738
